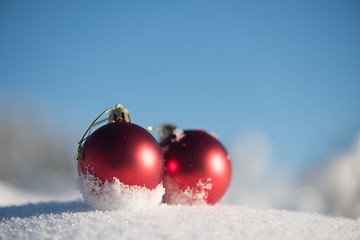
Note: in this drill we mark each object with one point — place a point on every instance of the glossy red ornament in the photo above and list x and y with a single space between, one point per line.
125 151
197 167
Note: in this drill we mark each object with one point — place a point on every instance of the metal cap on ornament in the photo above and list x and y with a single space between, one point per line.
119 114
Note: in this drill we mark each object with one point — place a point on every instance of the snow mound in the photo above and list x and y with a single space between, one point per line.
75 220
117 195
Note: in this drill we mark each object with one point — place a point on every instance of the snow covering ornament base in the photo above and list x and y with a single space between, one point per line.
186 195
115 195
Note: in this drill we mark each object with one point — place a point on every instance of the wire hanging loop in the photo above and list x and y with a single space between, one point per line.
117 114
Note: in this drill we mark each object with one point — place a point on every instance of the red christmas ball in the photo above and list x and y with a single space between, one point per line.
125 151
197 168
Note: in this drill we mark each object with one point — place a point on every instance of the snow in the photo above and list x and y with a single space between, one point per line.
175 194
139 215
330 187
113 195
76 220
12 195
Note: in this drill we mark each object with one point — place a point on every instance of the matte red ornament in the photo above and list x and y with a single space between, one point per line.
197 168
122 150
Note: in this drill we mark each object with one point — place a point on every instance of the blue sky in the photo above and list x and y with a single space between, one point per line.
287 69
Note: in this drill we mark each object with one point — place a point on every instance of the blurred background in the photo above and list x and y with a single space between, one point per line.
277 81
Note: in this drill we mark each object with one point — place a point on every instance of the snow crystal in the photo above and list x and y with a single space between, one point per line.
117 195
179 134
214 135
